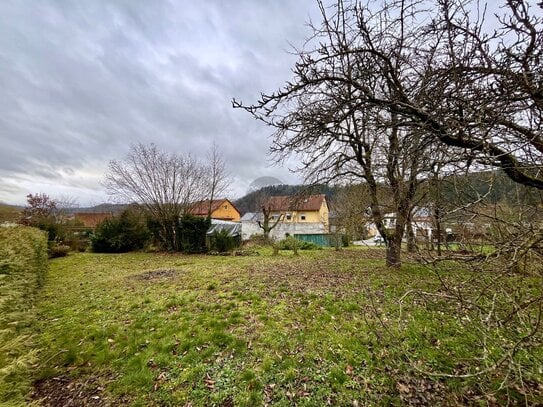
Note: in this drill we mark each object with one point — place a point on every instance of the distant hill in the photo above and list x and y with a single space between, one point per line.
10 213
497 187
104 207
456 189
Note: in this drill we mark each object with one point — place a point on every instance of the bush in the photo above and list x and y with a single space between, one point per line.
290 243
23 263
222 242
257 240
186 234
126 233
191 231
77 245
58 250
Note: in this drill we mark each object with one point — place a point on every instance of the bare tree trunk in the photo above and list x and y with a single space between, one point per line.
393 252
411 245
437 214
266 225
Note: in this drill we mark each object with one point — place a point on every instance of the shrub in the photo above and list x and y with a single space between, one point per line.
257 240
123 234
189 233
58 250
222 242
291 243
79 245
23 263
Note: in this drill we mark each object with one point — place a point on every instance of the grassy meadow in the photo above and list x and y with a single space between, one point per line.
322 328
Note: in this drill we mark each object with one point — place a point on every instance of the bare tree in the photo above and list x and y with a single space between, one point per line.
378 87
350 206
320 117
218 176
268 222
485 87
165 185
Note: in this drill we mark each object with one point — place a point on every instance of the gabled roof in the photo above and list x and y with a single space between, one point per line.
295 203
252 217
201 208
91 220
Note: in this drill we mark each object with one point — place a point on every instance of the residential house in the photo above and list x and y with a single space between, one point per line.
296 209
421 223
221 209
295 215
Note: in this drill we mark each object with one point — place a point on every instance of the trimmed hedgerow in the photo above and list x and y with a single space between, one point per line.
23 263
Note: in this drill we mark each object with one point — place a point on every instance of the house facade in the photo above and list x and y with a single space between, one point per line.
306 209
421 223
295 215
221 209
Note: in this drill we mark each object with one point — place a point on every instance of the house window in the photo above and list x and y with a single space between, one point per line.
302 216
225 206
273 217
289 216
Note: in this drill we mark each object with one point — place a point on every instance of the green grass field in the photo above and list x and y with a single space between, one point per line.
321 328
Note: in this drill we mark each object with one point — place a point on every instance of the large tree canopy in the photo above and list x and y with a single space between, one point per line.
447 69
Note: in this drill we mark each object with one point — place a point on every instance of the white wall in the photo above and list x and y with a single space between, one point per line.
280 231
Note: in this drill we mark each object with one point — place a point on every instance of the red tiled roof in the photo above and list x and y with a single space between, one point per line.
201 208
91 220
295 203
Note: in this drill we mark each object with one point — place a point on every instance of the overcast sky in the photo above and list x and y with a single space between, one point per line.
82 80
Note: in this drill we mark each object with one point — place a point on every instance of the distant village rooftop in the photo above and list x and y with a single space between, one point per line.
295 203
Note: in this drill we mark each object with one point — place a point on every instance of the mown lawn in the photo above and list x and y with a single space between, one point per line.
324 328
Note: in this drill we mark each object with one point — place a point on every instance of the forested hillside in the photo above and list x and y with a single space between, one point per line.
494 185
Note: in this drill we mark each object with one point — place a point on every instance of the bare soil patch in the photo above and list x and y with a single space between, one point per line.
306 276
156 274
65 391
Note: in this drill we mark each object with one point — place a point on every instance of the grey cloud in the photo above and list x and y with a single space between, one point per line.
83 80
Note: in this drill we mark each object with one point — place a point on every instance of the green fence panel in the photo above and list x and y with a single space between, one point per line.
323 240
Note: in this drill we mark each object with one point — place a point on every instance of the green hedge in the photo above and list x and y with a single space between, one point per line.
23 263
122 234
290 243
